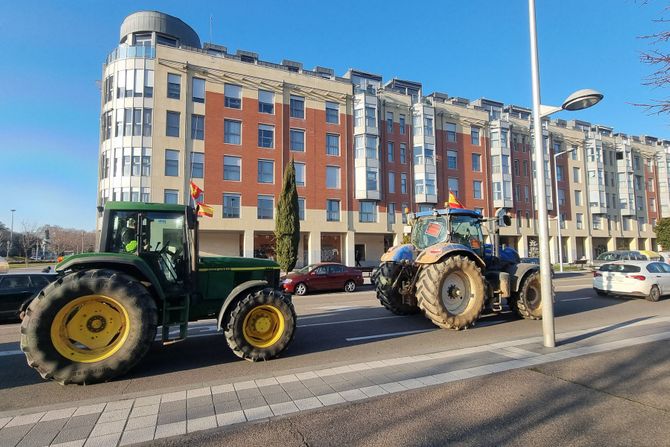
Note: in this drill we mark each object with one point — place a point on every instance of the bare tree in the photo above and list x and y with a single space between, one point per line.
29 237
659 59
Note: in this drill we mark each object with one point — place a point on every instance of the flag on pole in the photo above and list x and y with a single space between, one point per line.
205 210
453 201
195 191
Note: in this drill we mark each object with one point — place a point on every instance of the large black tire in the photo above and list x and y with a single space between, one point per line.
388 295
90 286
527 302
270 342
654 294
451 293
600 292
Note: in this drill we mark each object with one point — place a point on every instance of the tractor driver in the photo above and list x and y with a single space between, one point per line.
129 236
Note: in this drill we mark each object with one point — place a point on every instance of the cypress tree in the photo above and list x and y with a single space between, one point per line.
287 222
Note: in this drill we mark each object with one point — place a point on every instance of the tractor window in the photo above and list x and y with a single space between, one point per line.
467 231
163 234
123 237
428 231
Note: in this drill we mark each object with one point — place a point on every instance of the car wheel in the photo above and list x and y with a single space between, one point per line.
654 294
300 289
600 292
349 286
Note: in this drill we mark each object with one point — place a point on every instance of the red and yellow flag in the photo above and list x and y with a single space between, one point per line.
195 190
205 210
453 201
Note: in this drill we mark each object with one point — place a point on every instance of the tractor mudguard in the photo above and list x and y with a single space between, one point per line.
126 263
399 253
518 272
244 287
435 253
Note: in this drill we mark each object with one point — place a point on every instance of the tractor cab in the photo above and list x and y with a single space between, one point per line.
451 225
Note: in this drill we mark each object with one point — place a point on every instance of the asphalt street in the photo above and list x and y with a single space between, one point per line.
333 328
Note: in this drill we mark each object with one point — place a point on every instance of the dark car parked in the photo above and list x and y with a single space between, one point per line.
323 276
18 288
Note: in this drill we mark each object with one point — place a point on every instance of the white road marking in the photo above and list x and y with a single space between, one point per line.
328 323
575 299
390 334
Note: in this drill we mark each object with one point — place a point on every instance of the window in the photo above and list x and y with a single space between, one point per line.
403 153
477 189
332 144
171 196
332 177
297 107
516 167
266 102
358 117
404 211
171 163
265 208
418 155
526 194
299 174
451 132
391 176
575 153
477 162
332 112
128 122
172 126
197 164
332 210
390 213
301 208
452 160
452 186
266 171
371 180
517 193
370 146
596 221
390 156
174 86
576 175
559 173
266 136
146 131
197 127
137 122
368 212
146 162
370 118
474 136
106 123
428 126
578 198
232 132
403 183
401 124
389 121
297 140
561 197
232 168
198 90
145 195
525 168
232 96
231 206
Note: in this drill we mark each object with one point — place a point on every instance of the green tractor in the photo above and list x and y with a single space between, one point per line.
99 318
451 275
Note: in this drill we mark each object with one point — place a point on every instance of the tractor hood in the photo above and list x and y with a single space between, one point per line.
214 263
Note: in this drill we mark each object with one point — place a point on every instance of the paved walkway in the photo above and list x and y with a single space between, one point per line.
148 417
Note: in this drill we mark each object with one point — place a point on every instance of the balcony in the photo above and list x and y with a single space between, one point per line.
129 52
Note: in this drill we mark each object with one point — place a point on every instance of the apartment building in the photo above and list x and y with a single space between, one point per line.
174 110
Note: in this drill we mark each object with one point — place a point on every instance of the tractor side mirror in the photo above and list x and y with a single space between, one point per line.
190 218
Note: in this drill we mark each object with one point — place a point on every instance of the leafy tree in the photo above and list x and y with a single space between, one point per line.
287 222
662 230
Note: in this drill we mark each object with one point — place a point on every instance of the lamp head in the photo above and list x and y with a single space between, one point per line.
582 99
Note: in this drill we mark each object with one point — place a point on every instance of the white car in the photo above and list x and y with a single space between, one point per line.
648 279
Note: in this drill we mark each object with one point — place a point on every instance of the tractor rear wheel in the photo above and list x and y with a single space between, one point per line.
88 327
388 295
261 325
451 293
527 302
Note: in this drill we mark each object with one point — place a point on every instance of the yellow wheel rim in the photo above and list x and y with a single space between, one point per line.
263 326
90 328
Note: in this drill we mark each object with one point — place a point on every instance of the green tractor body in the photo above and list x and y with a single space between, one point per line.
100 317
450 274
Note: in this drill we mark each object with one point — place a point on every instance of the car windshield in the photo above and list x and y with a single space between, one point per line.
623 268
306 268
609 256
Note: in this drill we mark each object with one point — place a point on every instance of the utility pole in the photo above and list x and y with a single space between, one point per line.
11 234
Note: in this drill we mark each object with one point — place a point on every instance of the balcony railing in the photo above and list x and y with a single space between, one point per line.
128 52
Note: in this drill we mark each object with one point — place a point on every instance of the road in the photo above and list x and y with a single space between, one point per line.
333 329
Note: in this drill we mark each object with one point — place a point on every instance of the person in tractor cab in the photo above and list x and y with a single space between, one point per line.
129 236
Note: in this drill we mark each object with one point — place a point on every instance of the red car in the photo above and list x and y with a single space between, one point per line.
323 276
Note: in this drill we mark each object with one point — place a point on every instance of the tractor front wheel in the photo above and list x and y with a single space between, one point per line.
88 327
388 295
527 302
451 292
261 325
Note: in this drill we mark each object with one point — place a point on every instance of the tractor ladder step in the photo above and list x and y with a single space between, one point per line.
175 316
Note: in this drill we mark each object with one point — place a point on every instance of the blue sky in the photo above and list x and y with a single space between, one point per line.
52 53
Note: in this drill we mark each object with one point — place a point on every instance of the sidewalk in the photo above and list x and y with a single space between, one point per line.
509 368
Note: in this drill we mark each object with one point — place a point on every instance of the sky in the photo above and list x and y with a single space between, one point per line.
52 54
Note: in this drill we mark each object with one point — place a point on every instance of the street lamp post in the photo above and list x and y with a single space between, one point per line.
579 100
558 208
11 234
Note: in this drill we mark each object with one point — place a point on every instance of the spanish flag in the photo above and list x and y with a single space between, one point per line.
205 210
195 191
453 201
